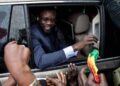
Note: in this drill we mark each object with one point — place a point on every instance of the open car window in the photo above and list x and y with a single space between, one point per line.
66 22
19 20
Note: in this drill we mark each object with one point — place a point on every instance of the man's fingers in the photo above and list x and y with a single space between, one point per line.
102 76
91 38
83 76
103 80
65 80
59 76
63 77
90 77
79 81
69 67
90 42
12 42
27 54
91 81
27 50
72 66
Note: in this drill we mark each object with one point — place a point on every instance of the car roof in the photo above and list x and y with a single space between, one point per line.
3 2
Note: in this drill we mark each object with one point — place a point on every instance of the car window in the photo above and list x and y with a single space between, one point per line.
17 26
12 27
66 21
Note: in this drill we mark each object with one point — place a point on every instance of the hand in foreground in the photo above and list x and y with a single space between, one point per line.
83 80
16 58
59 81
72 74
16 52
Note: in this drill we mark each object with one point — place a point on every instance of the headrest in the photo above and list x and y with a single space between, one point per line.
82 23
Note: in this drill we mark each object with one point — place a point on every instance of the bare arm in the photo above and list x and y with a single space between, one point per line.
10 82
16 58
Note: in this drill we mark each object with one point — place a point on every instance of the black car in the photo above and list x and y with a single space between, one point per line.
16 17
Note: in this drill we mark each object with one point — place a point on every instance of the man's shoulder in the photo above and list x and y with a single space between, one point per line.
33 27
35 30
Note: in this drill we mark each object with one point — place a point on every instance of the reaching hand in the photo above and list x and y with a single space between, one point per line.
83 80
59 81
85 41
91 81
16 59
16 53
72 74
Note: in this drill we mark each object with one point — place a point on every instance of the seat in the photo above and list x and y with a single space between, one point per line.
81 26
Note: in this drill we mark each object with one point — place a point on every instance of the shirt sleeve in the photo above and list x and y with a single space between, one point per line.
69 52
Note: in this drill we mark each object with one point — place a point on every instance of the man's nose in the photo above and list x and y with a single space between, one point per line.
49 22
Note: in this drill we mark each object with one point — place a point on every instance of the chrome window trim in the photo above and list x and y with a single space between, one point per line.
6 2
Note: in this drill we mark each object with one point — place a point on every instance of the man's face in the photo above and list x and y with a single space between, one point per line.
47 20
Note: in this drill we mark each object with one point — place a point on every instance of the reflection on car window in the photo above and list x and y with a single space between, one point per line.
4 23
11 19
17 27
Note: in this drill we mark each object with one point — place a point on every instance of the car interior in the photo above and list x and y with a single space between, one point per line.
69 22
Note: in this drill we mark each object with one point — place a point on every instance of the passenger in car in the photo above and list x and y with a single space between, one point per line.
49 50
16 58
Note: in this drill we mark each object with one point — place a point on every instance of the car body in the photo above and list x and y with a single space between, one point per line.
18 15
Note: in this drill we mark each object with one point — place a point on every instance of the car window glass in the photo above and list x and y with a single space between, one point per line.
17 28
4 23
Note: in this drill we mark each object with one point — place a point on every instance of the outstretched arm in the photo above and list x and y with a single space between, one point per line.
16 59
